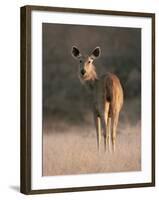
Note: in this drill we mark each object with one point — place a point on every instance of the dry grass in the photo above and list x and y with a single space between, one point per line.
73 150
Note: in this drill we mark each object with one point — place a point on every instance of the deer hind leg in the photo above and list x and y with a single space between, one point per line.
108 132
107 122
98 129
114 128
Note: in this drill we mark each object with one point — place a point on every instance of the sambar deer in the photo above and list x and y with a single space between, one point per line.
107 96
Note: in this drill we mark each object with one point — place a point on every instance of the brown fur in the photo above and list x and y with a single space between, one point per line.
107 96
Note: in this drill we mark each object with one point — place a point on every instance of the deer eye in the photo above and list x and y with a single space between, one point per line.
89 61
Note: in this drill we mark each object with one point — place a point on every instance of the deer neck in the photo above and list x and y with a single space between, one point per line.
91 80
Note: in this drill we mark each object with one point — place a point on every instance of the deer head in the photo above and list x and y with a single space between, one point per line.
87 69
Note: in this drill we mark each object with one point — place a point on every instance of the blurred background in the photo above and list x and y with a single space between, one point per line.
69 139
64 97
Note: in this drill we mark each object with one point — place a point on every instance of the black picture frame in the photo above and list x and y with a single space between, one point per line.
25 154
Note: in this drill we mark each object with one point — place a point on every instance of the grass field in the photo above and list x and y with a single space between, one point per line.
73 150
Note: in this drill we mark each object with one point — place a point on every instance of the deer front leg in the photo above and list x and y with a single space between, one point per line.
97 121
99 131
104 130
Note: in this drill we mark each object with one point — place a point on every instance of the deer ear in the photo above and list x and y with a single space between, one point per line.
96 53
75 52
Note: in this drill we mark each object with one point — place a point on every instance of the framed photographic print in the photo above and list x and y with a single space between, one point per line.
87 99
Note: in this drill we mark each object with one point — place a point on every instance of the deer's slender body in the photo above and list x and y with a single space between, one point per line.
106 94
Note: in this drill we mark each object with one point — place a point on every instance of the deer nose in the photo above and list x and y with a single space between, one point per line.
83 71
